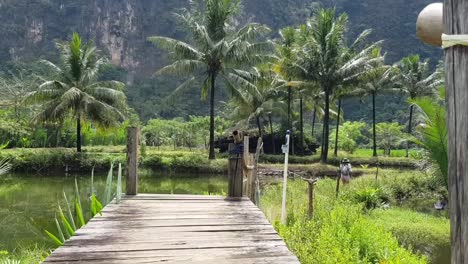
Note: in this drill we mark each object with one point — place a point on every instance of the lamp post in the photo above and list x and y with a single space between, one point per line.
285 177
447 25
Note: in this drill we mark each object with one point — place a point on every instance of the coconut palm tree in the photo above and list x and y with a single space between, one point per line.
216 51
376 81
260 100
76 91
416 80
326 59
285 65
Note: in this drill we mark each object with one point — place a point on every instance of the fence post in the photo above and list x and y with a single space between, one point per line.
133 143
235 173
310 211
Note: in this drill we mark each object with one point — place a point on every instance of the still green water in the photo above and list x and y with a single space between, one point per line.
28 203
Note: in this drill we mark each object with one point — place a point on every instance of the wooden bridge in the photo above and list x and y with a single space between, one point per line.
176 229
153 228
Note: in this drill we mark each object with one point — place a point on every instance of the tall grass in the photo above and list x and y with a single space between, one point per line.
343 231
68 224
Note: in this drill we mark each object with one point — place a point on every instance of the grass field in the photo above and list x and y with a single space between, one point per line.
370 222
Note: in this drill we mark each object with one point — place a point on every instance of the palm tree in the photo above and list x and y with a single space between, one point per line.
76 91
285 64
377 80
216 51
326 59
416 80
260 100
316 103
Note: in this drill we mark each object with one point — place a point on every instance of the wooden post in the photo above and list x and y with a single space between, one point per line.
310 211
456 82
255 181
235 174
338 178
133 143
246 167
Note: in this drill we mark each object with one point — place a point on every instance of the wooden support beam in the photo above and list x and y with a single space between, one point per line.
133 143
456 81
235 173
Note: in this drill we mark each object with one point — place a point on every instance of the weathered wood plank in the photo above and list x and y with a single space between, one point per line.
456 81
133 143
176 229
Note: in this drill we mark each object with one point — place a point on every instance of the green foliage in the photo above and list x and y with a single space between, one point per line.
369 197
75 91
389 136
34 255
433 133
349 135
341 232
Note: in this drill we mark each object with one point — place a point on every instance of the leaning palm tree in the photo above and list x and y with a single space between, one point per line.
76 91
326 58
376 81
217 51
416 80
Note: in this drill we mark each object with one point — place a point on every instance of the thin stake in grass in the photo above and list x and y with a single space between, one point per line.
119 184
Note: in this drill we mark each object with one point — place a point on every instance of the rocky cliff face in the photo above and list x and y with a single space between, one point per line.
120 28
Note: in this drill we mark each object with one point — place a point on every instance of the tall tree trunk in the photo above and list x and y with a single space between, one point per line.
259 126
335 153
326 131
212 118
313 121
78 134
410 129
272 134
373 125
301 123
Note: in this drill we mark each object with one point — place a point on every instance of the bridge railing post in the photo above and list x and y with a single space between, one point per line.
235 173
133 143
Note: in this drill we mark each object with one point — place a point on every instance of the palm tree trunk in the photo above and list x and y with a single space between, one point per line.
259 126
326 131
301 140
373 125
272 134
410 125
313 121
212 118
78 134
337 128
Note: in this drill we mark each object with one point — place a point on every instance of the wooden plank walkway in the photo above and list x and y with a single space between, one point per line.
176 229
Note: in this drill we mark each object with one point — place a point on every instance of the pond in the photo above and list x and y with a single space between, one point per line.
28 203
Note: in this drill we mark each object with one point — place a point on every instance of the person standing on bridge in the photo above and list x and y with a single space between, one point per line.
345 171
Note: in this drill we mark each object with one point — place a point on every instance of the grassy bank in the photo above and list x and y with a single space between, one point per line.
164 159
42 160
366 224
